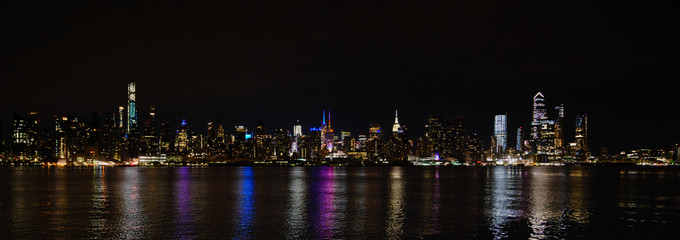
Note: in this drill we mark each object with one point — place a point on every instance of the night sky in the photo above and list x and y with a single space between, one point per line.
234 62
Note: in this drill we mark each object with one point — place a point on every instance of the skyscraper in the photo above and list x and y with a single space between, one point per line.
260 130
132 131
121 117
500 133
182 139
132 108
518 145
240 133
297 129
297 135
559 124
60 136
20 137
396 128
150 139
582 151
326 132
434 133
539 114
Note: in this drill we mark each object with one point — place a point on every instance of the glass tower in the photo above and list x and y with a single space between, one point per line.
132 108
500 133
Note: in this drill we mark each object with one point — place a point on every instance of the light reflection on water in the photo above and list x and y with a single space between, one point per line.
100 200
297 202
395 220
246 204
133 215
339 203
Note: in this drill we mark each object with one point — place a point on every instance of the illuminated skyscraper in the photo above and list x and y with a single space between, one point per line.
32 128
326 132
260 130
131 133
121 117
297 135
150 139
559 121
582 151
539 114
518 145
240 133
434 133
20 136
297 129
500 133
19 130
132 108
374 132
396 128
182 139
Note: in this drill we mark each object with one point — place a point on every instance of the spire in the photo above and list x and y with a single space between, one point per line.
396 128
323 118
539 94
329 119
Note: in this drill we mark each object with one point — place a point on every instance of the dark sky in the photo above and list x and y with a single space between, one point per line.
236 61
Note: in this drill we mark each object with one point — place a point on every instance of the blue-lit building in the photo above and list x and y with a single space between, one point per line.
132 108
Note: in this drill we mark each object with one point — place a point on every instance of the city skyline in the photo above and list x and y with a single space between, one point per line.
230 62
571 125
118 136
344 119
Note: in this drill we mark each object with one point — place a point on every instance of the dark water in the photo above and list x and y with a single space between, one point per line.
340 203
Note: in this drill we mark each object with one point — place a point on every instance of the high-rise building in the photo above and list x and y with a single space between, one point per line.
297 129
20 137
263 147
314 143
132 108
326 132
518 145
582 150
132 132
149 141
434 134
61 126
396 128
282 144
182 138
539 114
240 133
121 117
19 131
166 138
33 129
374 132
545 144
260 130
500 133
559 124
109 140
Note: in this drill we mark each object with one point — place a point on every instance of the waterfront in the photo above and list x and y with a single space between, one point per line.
340 202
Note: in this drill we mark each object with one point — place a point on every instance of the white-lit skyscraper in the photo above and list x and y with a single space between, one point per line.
539 113
297 129
500 133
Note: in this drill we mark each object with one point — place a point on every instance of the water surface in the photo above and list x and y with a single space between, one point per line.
340 203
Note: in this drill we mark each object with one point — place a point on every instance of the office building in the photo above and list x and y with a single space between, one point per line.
500 133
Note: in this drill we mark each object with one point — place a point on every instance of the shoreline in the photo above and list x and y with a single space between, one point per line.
236 164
